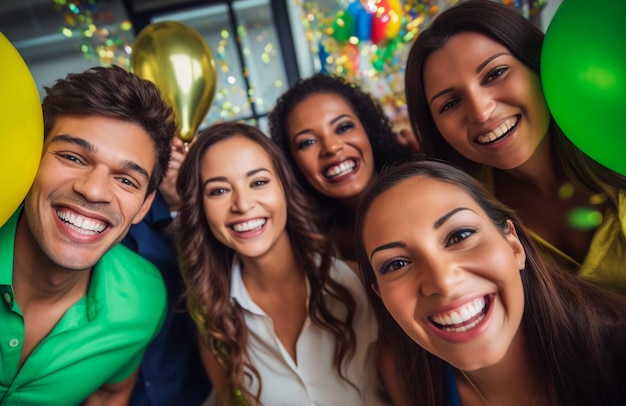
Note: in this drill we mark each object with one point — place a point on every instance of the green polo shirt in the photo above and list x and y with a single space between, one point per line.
100 339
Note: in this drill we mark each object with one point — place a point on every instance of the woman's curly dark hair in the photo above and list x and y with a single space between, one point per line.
377 125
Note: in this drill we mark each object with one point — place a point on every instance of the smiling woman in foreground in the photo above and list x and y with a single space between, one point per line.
493 323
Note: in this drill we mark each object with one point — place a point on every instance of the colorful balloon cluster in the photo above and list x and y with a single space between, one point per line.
384 24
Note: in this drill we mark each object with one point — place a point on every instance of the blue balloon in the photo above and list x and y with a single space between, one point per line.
323 55
363 20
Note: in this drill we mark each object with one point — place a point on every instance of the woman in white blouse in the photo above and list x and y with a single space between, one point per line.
281 321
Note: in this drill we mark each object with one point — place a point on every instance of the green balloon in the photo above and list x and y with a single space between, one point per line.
583 72
343 26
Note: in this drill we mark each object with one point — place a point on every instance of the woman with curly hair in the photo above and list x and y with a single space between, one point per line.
480 317
475 99
281 320
336 138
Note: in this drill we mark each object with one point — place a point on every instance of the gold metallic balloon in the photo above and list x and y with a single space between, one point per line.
178 60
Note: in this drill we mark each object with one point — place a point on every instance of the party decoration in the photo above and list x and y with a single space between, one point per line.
21 129
373 53
363 20
102 36
583 71
343 26
179 61
380 20
395 15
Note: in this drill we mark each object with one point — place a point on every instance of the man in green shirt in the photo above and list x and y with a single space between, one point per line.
78 310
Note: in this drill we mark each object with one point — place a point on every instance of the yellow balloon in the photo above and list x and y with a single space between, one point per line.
21 129
179 61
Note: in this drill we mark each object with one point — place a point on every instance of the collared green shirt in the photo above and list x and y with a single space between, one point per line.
100 339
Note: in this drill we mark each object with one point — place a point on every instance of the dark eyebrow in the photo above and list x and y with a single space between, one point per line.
478 69
440 222
84 144
491 58
395 244
89 147
333 121
224 179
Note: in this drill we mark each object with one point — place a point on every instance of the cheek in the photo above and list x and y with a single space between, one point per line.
399 302
211 217
306 160
448 127
279 202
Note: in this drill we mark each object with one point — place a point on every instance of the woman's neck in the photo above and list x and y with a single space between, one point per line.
540 172
272 270
514 377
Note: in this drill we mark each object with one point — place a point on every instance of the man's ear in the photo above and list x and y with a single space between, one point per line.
145 208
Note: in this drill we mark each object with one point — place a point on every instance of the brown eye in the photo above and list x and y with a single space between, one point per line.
459 236
393 265
496 73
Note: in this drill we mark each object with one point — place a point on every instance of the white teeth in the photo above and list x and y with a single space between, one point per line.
464 328
341 169
249 225
450 321
80 223
498 132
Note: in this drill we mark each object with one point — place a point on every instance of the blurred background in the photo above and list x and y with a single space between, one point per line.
261 46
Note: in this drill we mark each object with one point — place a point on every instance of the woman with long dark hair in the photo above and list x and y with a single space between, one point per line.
473 314
281 320
475 99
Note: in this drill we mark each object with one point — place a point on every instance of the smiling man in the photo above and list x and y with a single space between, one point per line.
78 309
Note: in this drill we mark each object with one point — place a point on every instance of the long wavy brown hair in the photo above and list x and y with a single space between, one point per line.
575 331
508 27
206 263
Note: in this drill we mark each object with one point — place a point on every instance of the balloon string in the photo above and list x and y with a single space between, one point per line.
186 146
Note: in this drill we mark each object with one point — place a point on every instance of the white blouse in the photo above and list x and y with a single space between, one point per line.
313 380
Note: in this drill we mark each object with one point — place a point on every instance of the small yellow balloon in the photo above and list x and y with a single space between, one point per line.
178 60
21 129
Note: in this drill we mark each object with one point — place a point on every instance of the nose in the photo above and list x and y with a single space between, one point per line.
96 185
439 276
331 145
242 202
480 106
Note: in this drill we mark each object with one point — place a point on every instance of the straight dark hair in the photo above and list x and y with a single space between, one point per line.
508 27
576 331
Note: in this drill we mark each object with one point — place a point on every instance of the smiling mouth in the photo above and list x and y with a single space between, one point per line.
251 225
463 318
341 169
81 224
499 132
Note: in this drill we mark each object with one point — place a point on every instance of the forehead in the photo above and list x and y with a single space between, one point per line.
235 156
315 105
418 200
462 52
468 45
109 139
